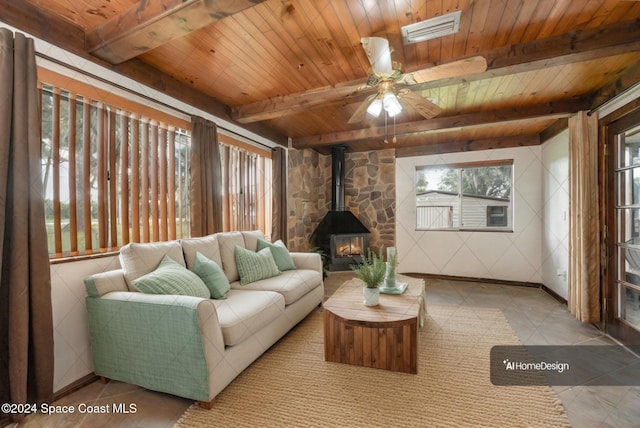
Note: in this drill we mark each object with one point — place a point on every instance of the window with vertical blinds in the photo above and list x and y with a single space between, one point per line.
246 185
111 176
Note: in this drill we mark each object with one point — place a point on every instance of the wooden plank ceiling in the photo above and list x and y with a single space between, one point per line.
295 69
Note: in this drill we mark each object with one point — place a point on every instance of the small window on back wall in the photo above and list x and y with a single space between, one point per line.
496 215
470 196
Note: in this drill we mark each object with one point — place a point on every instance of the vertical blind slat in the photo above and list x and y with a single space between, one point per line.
124 176
144 189
171 185
162 177
112 176
153 140
73 208
57 226
102 177
86 176
135 179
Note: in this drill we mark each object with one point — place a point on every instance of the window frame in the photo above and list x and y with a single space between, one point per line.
460 197
504 216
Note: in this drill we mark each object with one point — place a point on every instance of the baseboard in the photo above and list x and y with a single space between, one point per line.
555 295
74 386
490 281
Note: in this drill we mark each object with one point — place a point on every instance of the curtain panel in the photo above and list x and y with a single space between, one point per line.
26 327
206 178
584 224
279 186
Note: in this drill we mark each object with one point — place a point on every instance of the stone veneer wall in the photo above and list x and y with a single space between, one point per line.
307 200
370 193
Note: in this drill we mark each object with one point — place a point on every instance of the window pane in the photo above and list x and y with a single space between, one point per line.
461 197
629 148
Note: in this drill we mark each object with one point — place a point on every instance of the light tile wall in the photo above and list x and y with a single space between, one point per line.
72 352
555 209
493 255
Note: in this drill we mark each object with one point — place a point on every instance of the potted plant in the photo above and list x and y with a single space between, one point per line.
371 271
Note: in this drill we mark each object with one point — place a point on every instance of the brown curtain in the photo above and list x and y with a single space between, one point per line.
584 231
26 327
206 179
279 185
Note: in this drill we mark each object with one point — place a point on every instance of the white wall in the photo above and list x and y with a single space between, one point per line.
494 255
72 352
555 209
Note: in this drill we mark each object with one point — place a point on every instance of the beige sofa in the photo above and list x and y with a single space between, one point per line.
188 346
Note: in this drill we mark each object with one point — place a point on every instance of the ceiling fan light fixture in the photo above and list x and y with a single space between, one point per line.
391 104
432 28
375 108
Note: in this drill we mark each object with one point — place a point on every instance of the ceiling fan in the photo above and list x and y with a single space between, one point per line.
387 74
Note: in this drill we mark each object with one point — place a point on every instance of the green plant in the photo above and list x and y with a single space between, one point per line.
371 270
325 260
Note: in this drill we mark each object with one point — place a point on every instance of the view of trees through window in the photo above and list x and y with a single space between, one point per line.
465 196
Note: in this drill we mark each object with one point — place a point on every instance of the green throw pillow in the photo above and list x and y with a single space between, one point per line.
255 266
172 278
279 252
212 275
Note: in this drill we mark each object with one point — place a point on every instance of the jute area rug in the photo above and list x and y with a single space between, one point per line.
292 386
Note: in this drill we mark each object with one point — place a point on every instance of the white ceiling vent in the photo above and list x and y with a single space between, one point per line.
432 28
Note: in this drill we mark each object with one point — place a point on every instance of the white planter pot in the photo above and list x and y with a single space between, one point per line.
371 296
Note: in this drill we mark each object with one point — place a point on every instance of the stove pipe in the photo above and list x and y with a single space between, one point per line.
337 178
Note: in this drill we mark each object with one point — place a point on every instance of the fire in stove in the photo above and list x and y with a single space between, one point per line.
349 246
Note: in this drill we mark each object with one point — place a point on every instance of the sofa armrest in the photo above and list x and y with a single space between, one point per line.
311 261
166 343
102 283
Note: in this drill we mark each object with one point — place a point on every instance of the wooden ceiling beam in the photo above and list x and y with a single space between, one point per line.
554 51
56 30
150 24
557 110
467 146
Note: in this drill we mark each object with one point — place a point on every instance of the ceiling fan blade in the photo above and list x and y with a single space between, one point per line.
476 64
422 105
379 54
360 113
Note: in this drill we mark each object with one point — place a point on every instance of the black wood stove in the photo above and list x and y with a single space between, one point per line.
340 234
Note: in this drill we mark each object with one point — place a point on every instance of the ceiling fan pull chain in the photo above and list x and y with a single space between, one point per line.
386 134
394 140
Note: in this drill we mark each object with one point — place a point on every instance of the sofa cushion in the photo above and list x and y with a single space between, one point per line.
212 275
292 284
255 266
172 278
251 239
139 259
227 241
244 312
207 245
279 252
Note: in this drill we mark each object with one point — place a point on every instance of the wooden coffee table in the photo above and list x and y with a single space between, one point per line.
383 336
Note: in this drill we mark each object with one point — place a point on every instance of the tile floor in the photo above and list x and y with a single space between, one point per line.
536 317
